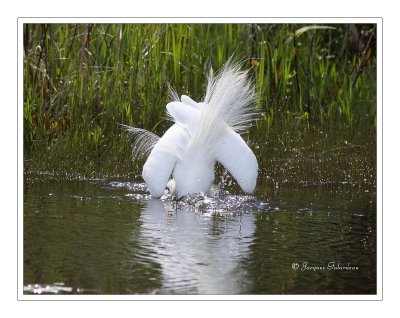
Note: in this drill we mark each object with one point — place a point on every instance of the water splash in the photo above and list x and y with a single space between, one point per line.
218 201
222 203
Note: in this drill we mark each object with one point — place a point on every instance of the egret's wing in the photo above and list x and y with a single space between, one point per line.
234 154
162 159
188 101
187 117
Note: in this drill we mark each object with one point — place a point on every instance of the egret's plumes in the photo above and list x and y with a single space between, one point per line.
144 141
203 133
232 95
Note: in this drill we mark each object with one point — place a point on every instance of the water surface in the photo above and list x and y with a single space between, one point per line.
111 237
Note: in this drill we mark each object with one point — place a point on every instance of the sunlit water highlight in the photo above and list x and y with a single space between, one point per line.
111 237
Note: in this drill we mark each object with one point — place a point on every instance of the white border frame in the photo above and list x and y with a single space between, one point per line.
379 189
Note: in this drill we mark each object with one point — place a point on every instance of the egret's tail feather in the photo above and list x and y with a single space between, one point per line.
143 141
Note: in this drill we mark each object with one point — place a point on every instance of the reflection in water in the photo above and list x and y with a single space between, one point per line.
102 237
198 252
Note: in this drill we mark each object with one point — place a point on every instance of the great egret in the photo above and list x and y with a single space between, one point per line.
202 134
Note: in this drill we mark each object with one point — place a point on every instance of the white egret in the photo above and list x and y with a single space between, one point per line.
202 134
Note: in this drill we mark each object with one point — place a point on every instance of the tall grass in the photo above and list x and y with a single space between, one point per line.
81 80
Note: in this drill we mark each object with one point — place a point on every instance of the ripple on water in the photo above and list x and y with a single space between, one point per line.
131 186
56 288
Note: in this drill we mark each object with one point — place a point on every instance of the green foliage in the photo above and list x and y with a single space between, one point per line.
82 80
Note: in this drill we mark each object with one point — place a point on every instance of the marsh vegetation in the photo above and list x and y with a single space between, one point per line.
316 95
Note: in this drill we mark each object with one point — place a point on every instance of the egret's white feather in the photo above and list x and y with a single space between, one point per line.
227 110
202 134
229 101
187 117
163 158
231 95
173 95
234 154
143 141
188 101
